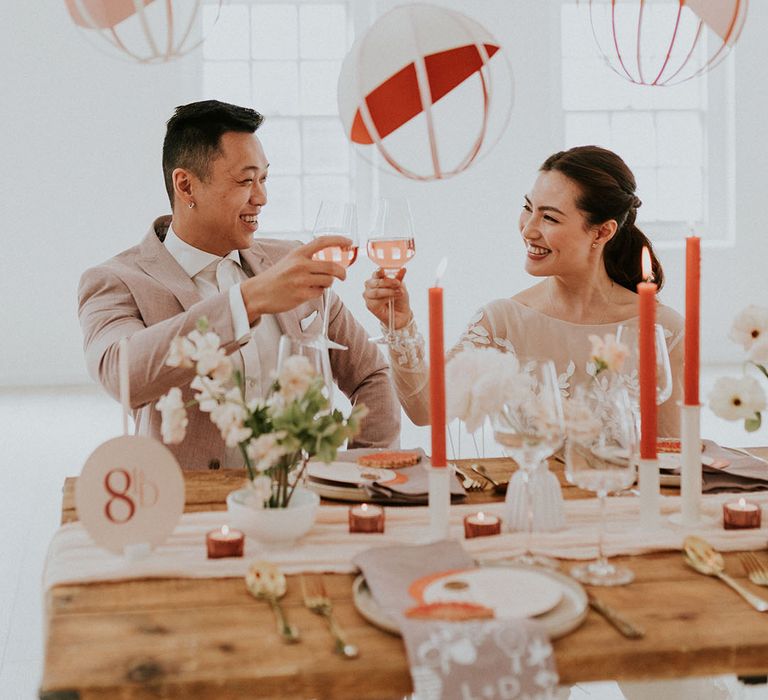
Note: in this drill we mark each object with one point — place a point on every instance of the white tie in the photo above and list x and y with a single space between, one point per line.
227 274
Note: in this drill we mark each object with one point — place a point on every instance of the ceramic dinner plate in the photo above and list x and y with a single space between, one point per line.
348 473
564 615
669 461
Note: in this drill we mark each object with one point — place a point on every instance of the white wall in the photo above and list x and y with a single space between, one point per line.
81 139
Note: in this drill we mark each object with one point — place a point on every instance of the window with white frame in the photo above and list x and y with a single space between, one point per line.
675 139
283 59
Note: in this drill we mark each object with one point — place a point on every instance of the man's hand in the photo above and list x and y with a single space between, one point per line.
295 278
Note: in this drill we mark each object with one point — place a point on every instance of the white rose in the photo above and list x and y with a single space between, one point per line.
264 451
229 416
209 393
750 325
174 417
737 398
295 376
181 352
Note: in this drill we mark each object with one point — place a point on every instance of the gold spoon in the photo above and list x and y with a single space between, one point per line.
499 487
703 557
266 582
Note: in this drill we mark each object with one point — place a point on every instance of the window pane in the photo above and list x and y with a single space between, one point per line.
283 211
318 87
317 188
323 31
228 38
228 81
680 194
276 87
326 149
275 31
681 139
282 145
633 137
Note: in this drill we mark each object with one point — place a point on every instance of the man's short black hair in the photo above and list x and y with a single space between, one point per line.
193 137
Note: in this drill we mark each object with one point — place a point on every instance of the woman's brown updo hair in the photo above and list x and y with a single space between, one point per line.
608 192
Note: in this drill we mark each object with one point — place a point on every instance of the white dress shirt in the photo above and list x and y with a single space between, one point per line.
257 357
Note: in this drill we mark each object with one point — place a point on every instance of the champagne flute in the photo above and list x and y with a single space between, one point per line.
335 219
390 246
600 442
530 428
629 335
314 348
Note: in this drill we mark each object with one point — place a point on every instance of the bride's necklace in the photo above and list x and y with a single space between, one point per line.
607 301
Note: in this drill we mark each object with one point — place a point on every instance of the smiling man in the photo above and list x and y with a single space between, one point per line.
203 261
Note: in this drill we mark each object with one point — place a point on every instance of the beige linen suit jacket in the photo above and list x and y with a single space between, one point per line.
144 294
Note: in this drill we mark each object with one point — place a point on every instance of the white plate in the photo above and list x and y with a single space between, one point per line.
509 592
564 617
673 460
348 473
338 492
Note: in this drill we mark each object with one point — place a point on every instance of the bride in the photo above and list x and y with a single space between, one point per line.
578 228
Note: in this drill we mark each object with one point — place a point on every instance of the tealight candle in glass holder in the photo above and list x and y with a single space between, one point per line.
366 518
481 525
224 543
742 514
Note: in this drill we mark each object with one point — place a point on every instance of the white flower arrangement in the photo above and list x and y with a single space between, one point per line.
480 381
742 398
292 424
607 353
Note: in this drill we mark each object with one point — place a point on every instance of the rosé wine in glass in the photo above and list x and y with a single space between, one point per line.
391 254
342 256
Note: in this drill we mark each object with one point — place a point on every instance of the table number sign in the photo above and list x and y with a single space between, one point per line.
130 494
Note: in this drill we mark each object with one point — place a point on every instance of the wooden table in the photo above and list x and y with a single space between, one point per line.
208 638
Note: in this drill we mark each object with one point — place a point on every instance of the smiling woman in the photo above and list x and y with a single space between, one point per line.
578 227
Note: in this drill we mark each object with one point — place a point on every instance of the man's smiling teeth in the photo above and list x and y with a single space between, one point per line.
250 218
536 250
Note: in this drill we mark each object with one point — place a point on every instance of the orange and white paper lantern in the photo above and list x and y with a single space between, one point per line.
148 31
428 89
664 42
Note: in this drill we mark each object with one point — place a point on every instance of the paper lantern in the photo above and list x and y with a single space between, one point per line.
665 42
426 88
149 31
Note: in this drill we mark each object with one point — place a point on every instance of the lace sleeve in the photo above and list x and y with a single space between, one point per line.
481 332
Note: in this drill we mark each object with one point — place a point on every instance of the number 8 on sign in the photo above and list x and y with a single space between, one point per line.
130 492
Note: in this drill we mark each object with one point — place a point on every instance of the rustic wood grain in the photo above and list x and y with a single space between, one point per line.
209 638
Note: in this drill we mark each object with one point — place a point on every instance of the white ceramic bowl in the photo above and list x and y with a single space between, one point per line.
273 526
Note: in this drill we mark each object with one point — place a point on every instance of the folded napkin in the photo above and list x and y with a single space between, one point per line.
486 659
412 486
730 470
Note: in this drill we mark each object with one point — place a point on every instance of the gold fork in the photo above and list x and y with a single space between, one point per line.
754 568
468 482
317 600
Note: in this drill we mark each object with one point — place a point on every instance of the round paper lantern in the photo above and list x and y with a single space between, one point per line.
665 42
149 31
426 88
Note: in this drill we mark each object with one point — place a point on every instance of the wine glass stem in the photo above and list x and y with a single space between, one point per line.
529 513
326 310
602 562
391 317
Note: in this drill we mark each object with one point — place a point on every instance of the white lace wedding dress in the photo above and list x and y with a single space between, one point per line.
508 325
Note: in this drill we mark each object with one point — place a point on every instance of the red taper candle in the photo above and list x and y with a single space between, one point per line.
692 316
647 350
437 371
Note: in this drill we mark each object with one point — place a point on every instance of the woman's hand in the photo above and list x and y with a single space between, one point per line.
379 289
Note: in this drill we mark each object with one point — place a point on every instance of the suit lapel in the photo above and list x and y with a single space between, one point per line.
258 260
159 264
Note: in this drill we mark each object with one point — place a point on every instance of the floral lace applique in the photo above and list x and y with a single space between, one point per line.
477 334
407 346
564 379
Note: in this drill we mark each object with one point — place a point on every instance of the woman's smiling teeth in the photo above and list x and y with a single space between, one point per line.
537 251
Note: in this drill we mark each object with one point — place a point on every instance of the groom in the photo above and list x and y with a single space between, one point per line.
204 261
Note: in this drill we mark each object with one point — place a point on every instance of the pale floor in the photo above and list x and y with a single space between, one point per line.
46 434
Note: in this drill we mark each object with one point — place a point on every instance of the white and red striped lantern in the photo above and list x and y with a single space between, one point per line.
665 42
426 88
148 31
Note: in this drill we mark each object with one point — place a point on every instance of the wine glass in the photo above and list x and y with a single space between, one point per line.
391 246
335 219
315 349
629 335
530 428
600 443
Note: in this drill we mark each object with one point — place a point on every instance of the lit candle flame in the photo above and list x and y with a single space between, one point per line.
225 530
742 503
646 265
440 271
364 507
481 516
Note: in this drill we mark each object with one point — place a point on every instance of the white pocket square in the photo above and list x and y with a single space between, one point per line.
307 322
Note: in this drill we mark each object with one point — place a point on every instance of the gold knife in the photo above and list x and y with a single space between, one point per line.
628 629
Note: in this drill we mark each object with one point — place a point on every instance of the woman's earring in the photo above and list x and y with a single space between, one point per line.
192 204
594 245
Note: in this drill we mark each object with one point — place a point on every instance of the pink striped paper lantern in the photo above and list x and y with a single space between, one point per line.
665 42
427 89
